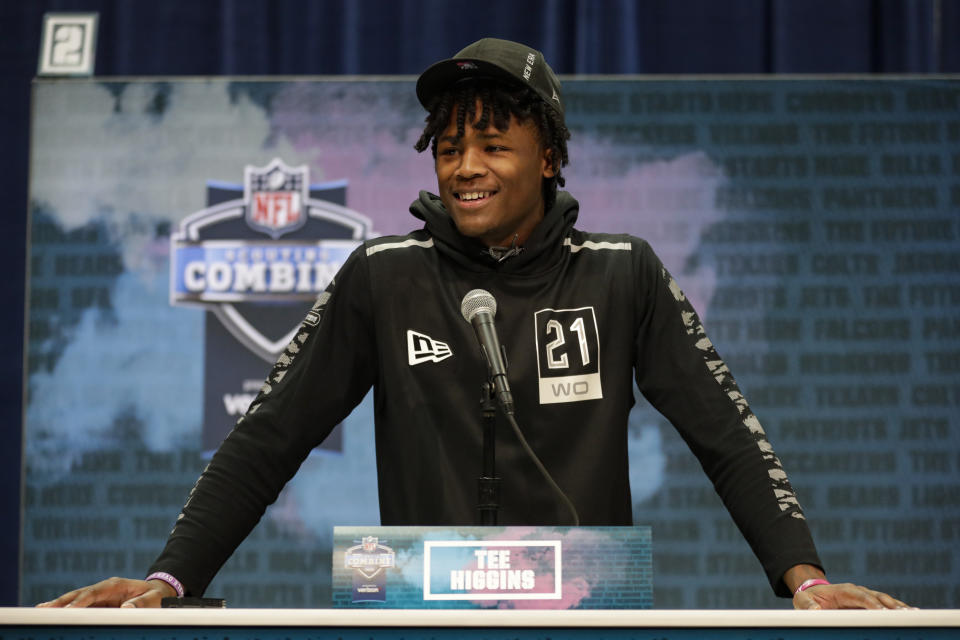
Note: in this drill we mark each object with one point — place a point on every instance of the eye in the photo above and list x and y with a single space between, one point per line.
447 151
495 148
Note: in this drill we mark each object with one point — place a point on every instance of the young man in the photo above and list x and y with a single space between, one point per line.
582 316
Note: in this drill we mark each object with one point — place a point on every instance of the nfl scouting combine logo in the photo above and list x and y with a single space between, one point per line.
256 258
218 264
368 560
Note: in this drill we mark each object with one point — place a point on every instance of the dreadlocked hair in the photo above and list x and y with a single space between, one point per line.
498 102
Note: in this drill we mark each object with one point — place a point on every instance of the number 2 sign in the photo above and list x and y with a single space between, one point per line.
68 44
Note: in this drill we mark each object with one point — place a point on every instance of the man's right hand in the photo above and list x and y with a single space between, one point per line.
115 592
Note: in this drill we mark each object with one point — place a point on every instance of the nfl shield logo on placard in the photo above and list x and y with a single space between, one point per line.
275 195
370 543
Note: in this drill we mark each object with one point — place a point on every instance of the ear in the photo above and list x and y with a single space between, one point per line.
547 163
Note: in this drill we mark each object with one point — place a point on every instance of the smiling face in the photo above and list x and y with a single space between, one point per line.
490 181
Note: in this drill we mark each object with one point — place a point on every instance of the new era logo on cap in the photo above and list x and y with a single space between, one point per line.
422 348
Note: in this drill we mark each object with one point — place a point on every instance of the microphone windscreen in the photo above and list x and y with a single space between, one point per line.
476 301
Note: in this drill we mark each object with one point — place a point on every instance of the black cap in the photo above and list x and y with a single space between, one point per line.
493 58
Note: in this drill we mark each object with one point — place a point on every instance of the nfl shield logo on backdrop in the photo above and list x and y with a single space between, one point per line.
276 195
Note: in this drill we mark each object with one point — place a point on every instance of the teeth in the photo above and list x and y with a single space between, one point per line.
475 195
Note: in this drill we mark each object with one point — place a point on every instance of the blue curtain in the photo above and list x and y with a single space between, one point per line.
292 37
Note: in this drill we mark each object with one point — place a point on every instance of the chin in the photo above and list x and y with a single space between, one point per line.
479 236
470 230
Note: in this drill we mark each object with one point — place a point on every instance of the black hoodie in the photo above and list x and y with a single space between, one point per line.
582 317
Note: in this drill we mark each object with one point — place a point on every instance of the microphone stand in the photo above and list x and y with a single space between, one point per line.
488 485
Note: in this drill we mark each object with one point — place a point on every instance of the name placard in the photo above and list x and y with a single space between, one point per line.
493 567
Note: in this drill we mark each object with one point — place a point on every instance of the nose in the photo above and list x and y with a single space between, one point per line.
471 164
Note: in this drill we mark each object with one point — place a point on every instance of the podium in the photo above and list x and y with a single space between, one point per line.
313 624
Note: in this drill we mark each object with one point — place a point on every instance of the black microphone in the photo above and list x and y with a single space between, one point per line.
478 308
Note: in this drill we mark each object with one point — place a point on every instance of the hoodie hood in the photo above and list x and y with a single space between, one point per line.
542 250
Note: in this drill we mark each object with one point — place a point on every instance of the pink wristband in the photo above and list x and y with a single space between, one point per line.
812 582
173 582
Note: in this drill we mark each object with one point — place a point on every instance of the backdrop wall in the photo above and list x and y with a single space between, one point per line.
813 224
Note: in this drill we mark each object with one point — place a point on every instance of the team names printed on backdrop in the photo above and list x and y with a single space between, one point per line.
492 570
